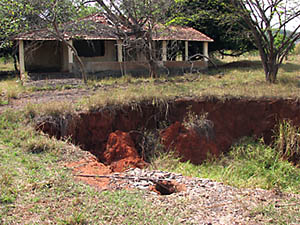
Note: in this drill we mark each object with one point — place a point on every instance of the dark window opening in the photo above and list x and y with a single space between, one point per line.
90 48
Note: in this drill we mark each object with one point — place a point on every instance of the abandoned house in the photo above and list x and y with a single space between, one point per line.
104 53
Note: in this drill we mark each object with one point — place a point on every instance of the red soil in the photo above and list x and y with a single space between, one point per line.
120 155
120 152
188 143
91 166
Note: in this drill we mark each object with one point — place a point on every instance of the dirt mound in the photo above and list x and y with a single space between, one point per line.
120 152
188 143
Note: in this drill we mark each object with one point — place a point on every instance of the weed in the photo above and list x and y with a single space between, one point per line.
148 144
31 110
288 141
199 123
11 89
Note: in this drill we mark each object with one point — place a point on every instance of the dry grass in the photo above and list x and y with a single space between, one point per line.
6 64
242 77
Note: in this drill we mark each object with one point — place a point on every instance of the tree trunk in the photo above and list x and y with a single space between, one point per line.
271 70
153 69
151 56
15 62
81 66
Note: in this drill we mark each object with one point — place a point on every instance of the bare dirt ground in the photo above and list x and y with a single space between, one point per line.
44 96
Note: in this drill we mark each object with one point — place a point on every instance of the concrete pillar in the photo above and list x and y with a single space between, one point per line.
186 45
21 59
164 50
70 57
120 52
205 50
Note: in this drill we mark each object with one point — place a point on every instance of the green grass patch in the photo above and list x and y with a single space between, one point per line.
249 164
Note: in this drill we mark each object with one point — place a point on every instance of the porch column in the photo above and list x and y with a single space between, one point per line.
70 57
186 43
164 50
205 50
21 59
120 52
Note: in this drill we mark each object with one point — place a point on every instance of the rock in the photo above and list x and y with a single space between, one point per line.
120 152
188 143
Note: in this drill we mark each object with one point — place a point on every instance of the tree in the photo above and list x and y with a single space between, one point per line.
54 17
268 20
135 22
217 19
12 14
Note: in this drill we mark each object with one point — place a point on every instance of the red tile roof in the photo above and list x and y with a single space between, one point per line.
98 27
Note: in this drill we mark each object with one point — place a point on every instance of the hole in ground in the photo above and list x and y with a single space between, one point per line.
106 134
165 187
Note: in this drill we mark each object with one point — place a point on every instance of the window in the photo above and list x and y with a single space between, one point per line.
90 48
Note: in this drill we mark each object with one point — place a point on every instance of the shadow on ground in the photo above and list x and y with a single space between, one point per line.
4 75
290 67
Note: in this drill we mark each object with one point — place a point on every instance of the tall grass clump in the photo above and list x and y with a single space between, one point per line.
288 142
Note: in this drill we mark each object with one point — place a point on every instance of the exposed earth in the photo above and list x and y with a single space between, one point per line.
117 163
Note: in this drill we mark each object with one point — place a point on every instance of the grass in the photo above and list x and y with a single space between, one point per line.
6 64
10 88
249 164
285 212
35 187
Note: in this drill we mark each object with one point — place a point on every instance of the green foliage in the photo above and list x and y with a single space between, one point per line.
248 164
262 17
279 39
217 19
19 16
